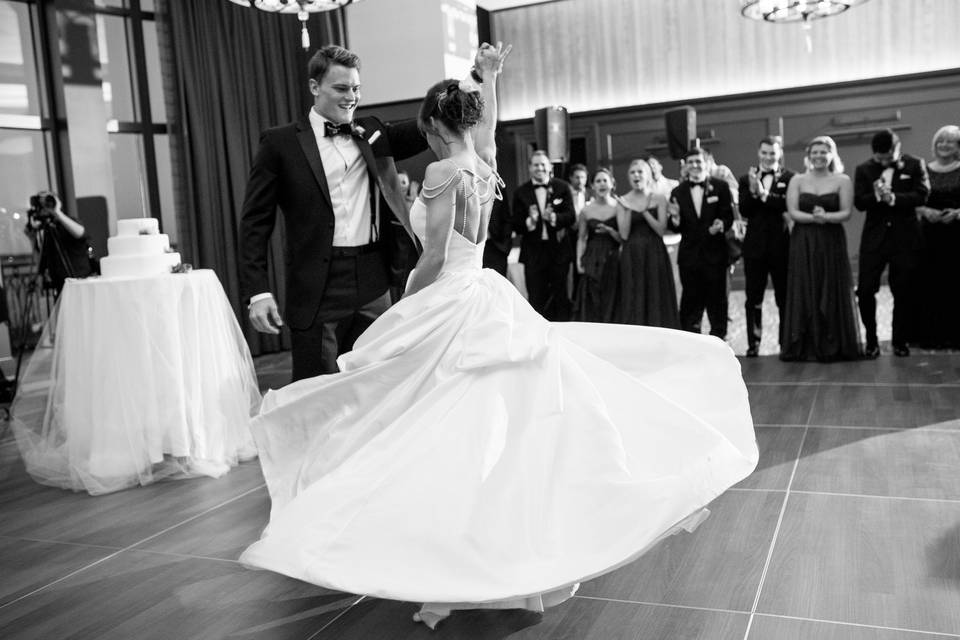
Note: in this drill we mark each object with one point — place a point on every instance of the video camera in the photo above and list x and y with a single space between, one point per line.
42 209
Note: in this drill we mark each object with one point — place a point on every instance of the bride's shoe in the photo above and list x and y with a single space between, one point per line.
431 615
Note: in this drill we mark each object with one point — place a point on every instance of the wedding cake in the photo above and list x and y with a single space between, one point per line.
138 249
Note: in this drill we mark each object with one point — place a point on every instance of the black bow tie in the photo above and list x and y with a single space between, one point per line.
767 173
345 129
539 186
696 184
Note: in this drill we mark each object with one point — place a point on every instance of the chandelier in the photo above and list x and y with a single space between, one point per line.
303 9
794 10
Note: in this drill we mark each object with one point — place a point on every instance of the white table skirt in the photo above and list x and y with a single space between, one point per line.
144 378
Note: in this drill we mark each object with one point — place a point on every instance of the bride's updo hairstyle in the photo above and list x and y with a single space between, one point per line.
457 108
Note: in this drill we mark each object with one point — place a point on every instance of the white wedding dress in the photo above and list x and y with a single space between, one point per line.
472 453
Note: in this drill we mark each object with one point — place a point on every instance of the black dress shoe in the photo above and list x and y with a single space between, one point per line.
901 351
752 352
872 352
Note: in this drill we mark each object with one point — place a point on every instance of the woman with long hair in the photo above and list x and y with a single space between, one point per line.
648 292
598 252
820 320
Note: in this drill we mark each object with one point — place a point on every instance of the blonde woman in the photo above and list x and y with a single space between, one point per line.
820 321
648 295
938 321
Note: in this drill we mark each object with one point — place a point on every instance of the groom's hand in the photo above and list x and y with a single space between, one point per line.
265 317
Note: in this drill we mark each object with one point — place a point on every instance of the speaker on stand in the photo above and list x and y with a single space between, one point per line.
551 126
681 126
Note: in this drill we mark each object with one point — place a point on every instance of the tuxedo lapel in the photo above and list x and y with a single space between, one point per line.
308 143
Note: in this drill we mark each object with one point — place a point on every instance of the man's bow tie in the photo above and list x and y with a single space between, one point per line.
345 129
540 186
768 173
695 184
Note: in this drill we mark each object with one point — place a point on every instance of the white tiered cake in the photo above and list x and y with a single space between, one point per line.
138 249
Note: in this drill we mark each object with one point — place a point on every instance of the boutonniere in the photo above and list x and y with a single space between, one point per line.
707 187
900 164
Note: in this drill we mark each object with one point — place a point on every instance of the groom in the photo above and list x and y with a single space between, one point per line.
335 182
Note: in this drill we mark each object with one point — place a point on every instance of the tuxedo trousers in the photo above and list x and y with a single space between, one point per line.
356 293
903 265
757 270
704 288
545 275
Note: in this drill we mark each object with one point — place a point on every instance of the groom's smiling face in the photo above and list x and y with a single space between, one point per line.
336 96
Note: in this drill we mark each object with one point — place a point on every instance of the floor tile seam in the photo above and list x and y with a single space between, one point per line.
856 624
335 618
832 383
127 548
875 496
780 516
186 556
925 429
661 604
69 543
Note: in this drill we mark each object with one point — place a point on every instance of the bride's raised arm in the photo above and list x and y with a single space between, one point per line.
488 64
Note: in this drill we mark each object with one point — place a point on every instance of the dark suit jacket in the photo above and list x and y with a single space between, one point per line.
287 172
910 186
558 245
766 232
697 246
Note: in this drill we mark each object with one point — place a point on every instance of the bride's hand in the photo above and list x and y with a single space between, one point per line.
490 58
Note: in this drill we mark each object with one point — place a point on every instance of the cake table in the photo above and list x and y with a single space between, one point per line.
137 379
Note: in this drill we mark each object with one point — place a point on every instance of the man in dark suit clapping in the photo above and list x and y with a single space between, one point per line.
889 187
335 181
544 215
701 211
763 204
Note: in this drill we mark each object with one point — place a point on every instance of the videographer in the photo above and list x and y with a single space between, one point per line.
60 239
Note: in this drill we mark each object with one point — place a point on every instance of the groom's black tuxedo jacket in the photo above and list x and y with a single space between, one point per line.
910 186
287 172
697 246
766 230
557 246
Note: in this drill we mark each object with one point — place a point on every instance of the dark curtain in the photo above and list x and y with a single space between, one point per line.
229 72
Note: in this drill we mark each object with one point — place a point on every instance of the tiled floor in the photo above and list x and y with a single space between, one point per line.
848 530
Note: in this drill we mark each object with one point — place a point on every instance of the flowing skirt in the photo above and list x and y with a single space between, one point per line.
472 452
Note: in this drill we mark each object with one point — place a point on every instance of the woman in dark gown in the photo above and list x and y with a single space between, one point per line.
648 292
938 317
820 320
598 250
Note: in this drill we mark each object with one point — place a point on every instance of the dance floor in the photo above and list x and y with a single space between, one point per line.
849 529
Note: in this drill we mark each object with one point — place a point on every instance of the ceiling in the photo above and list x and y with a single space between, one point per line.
496 5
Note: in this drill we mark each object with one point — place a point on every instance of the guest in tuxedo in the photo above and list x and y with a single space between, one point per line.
701 211
499 241
335 182
543 215
938 318
889 187
763 204
582 194
819 317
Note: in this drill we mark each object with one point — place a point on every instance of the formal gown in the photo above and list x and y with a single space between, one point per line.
820 319
597 289
648 293
938 317
470 452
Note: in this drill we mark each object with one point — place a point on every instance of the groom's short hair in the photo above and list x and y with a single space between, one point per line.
329 55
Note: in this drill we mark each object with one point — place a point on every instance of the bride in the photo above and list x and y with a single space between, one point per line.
471 454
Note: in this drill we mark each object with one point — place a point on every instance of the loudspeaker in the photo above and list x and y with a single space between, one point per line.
551 126
681 130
